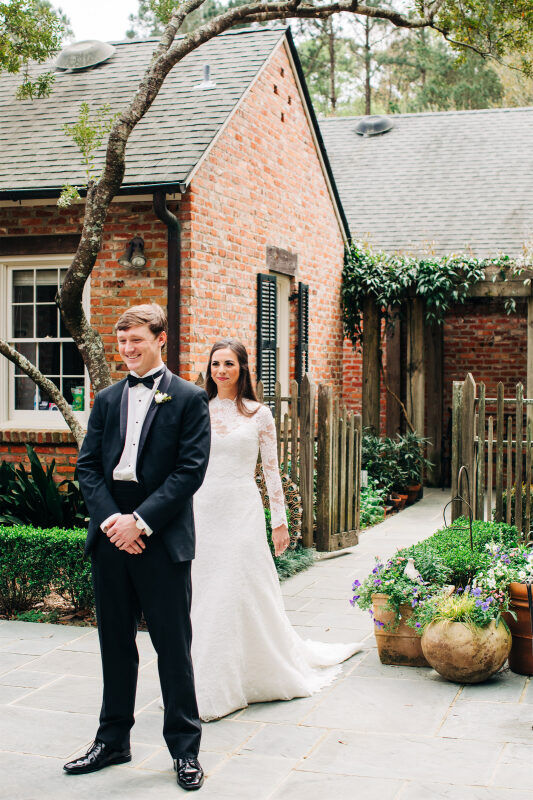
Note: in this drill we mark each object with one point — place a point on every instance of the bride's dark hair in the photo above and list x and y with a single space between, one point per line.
245 389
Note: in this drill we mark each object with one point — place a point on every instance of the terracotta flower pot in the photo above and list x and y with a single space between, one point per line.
400 646
413 493
403 500
463 654
521 656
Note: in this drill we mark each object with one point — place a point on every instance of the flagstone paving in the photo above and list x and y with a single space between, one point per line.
378 732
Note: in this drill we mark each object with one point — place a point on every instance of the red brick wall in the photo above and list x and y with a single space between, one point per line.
262 185
481 338
352 380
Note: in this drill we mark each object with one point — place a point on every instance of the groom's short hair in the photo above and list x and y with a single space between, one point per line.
150 314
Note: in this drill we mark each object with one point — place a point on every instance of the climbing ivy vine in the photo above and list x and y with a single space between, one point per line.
391 279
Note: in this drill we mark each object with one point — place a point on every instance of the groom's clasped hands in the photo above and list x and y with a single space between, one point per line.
125 534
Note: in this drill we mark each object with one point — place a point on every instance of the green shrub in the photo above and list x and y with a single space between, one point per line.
394 464
34 497
452 547
372 505
35 561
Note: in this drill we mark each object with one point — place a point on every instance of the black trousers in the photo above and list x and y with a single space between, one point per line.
150 583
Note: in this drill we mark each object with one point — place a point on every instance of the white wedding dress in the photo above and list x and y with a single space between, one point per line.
244 648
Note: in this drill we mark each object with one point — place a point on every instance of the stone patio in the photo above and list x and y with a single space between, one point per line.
388 733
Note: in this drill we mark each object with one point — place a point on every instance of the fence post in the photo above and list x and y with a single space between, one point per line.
499 454
480 504
490 442
358 465
294 432
307 457
324 467
467 435
456 444
519 426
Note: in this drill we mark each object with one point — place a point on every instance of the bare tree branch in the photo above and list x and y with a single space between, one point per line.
47 386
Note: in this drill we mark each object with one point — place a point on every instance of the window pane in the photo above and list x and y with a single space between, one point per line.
46 280
26 349
23 322
44 400
23 286
24 394
72 361
63 330
73 389
46 321
49 353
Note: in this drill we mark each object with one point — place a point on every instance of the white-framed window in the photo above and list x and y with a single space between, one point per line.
32 324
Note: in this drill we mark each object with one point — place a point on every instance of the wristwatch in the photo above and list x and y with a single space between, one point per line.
139 523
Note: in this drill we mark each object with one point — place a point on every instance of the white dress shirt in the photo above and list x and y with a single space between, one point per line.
139 399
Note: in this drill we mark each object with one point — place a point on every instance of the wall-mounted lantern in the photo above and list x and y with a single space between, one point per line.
134 257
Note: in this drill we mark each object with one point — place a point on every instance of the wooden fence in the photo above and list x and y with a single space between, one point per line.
492 437
319 447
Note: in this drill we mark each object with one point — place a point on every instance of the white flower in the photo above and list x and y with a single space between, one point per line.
522 574
161 397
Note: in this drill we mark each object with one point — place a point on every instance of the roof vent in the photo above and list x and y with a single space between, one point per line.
84 55
207 83
373 126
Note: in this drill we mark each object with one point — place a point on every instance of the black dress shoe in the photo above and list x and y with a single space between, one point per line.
98 756
190 773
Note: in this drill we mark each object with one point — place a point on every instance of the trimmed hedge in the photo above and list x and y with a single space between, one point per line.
451 547
33 562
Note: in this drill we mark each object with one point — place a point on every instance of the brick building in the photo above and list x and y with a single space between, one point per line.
235 153
447 182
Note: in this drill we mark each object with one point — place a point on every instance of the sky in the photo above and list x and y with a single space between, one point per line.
106 20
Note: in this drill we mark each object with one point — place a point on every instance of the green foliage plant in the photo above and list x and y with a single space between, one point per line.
443 559
35 498
34 561
372 509
87 133
30 30
394 463
391 279
470 607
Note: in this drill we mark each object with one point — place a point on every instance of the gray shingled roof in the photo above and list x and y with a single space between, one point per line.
36 154
460 180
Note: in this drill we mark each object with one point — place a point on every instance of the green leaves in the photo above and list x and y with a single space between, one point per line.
30 30
392 279
35 498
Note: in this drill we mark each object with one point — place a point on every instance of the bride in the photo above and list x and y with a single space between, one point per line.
244 648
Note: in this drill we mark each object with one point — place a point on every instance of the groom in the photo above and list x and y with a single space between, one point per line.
143 458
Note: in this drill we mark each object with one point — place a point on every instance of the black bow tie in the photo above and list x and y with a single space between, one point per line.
147 381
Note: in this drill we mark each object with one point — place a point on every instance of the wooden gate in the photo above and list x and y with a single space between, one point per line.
319 447
492 436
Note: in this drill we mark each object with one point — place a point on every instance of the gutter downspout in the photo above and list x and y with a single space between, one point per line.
173 278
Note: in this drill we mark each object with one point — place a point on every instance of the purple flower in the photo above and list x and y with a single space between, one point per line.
479 603
418 624
485 605
370 612
476 592
356 584
379 624
414 603
377 581
459 590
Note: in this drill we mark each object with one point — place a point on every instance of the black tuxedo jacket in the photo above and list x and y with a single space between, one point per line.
171 460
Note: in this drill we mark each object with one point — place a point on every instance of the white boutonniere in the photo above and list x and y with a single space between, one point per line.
161 397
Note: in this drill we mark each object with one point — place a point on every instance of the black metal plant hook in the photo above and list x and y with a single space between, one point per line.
459 497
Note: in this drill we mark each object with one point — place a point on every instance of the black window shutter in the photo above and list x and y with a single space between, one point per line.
302 348
267 334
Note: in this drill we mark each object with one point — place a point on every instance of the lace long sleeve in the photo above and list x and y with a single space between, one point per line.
269 459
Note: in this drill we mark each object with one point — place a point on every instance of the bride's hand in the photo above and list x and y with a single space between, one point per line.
280 538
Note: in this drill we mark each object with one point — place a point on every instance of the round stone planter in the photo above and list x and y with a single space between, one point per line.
463 654
400 646
521 656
